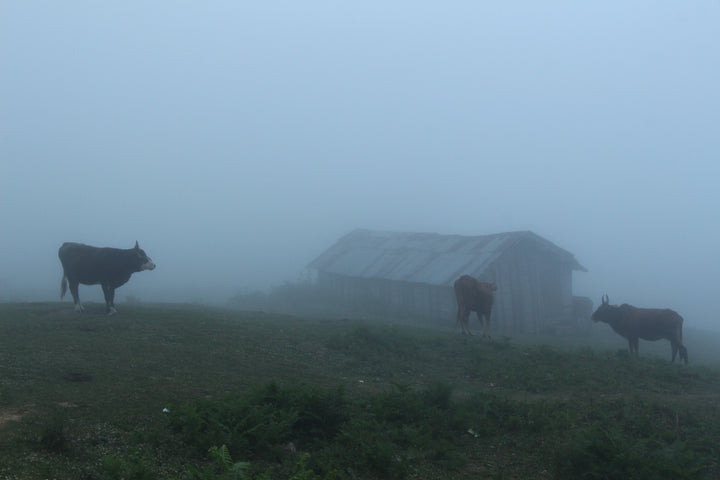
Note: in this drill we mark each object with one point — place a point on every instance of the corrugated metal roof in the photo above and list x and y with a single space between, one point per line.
423 257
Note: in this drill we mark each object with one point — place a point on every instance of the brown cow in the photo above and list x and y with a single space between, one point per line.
473 295
647 323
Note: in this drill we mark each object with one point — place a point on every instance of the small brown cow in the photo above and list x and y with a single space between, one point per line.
647 323
473 295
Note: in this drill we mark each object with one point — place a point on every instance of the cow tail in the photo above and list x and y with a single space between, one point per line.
63 287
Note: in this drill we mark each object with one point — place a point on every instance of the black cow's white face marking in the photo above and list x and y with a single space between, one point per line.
149 265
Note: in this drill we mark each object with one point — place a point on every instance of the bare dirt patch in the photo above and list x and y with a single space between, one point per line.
10 415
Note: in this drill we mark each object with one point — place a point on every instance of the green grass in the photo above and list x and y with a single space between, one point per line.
265 396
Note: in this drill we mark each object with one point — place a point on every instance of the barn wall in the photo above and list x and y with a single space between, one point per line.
552 289
428 301
380 293
534 293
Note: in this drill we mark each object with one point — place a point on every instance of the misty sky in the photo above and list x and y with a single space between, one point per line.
238 140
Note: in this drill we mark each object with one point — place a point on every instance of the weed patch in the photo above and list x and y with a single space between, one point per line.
601 452
261 423
368 341
380 435
51 433
636 439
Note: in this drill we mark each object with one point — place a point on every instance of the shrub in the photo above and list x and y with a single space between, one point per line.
606 451
364 342
223 469
381 435
261 422
130 467
52 433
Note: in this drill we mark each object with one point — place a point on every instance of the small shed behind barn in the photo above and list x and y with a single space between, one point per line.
415 272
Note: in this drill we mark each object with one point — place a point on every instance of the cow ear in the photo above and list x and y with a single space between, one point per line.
137 247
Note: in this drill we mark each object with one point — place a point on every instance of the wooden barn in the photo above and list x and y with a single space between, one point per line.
415 272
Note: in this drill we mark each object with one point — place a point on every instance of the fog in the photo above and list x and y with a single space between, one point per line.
238 140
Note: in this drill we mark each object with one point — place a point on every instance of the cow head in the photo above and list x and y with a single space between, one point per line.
144 262
603 311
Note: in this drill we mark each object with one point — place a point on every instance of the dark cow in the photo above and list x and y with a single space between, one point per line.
474 296
110 267
647 323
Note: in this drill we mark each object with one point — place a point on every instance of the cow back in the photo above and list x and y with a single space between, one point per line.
91 265
648 323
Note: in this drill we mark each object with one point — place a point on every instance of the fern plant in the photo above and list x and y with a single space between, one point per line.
229 470
232 470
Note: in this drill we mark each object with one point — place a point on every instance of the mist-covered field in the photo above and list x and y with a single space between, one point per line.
177 391
237 141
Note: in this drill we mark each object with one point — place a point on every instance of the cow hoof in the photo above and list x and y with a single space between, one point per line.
112 311
79 308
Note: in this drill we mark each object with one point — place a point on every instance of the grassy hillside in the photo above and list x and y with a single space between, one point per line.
253 395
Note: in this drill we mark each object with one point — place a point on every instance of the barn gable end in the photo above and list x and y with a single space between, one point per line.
415 272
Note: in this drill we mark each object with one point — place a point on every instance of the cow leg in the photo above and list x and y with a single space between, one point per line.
683 353
461 314
489 328
630 346
635 347
465 322
109 293
484 323
680 346
463 318
76 296
677 346
674 346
